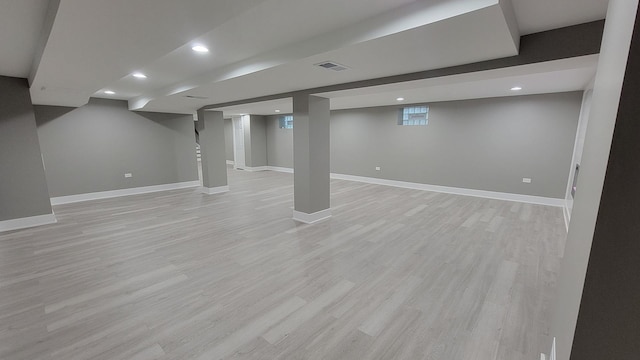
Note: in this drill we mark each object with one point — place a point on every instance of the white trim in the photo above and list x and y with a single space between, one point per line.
215 190
552 356
312 218
539 200
280 169
123 192
530 199
27 222
230 162
256 168
567 215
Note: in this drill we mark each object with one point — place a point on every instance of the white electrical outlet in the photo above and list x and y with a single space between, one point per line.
526 180
377 168
128 175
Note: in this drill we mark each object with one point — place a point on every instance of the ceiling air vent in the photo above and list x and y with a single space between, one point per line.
330 65
196 97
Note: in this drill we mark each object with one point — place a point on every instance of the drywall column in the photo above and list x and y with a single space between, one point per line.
255 143
608 325
212 152
24 196
602 119
311 158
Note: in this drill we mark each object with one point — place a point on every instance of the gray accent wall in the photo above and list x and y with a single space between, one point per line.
279 143
256 144
89 149
484 144
228 139
23 186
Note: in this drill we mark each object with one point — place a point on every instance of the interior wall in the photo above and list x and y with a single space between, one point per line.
279 143
23 186
89 149
228 139
578 148
484 144
602 119
258 141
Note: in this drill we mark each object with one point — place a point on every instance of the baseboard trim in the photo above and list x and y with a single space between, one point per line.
230 162
27 222
311 218
567 215
280 169
215 190
530 199
256 168
123 192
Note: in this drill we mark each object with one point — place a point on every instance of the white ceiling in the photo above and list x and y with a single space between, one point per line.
556 76
20 27
540 15
258 47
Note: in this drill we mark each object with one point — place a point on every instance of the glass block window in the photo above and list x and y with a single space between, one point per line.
414 115
286 122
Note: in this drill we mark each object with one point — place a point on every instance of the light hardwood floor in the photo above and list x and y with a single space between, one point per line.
395 274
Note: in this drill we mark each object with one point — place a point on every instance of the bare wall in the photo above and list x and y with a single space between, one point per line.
89 149
484 144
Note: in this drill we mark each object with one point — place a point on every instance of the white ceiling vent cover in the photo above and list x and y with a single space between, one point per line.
331 65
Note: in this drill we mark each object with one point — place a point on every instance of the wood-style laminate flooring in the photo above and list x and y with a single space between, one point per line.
394 274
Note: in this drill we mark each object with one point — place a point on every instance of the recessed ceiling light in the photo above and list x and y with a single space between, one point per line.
277 110
200 49
400 99
516 88
109 92
139 75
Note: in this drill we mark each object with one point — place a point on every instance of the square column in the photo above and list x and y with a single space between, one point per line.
212 152
311 158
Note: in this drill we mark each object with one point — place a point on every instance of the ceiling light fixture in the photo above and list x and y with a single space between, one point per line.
109 92
516 88
200 49
400 99
139 75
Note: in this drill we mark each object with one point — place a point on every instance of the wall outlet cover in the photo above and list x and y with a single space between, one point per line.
377 168
526 180
128 175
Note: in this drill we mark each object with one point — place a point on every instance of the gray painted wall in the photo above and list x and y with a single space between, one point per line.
228 139
89 149
258 138
485 144
23 186
279 143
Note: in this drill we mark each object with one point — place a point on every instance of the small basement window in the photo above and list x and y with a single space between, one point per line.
286 122
414 115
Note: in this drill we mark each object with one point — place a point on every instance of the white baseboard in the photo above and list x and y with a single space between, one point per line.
539 200
280 169
311 218
230 162
256 168
215 190
123 192
567 215
27 222
530 199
